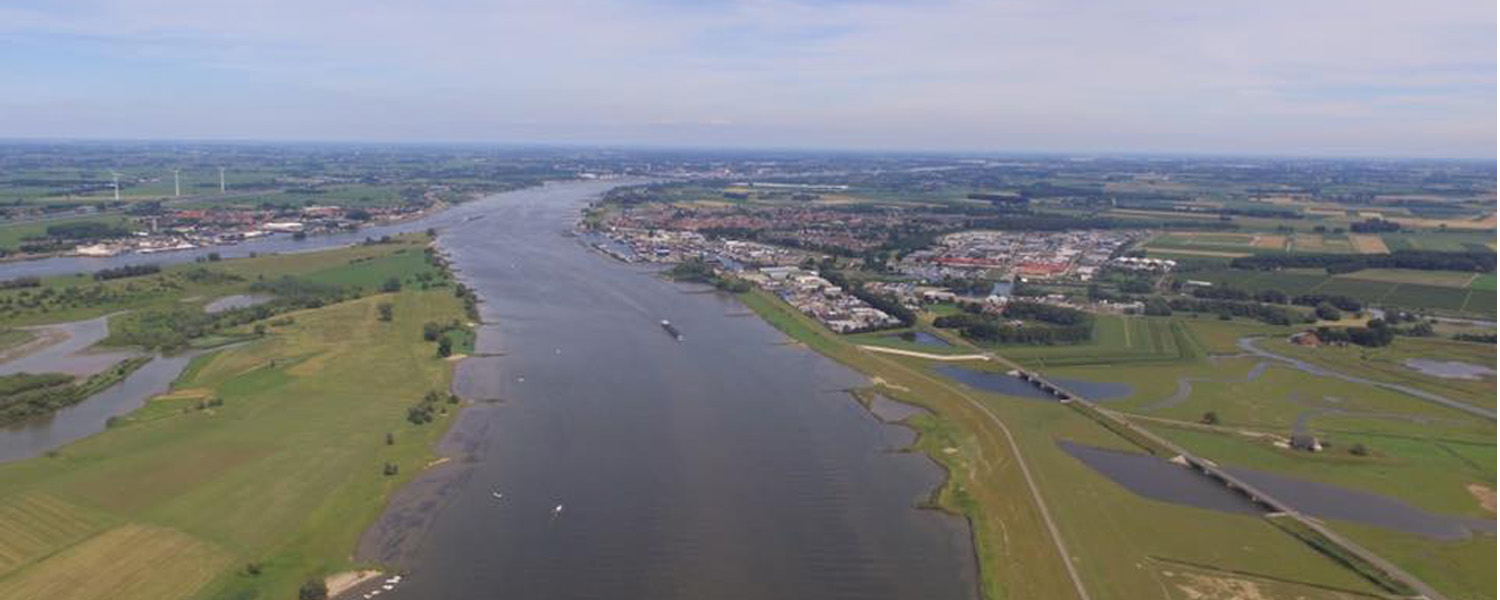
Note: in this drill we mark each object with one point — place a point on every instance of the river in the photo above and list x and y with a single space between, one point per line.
728 465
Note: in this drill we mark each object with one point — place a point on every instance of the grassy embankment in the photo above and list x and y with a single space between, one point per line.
179 498
1122 545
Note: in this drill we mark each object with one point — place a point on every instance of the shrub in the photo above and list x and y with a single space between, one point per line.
314 589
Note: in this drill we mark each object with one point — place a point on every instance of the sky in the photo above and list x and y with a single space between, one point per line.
1283 77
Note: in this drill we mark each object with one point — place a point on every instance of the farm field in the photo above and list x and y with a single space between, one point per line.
1445 241
175 500
1383 287
1453 279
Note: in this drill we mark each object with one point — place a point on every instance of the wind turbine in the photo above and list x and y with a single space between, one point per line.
221 180
176 182
116 176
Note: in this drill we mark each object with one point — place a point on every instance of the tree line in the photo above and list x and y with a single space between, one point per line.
1424 260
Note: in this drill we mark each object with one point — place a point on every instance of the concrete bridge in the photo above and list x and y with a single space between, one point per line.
1272 505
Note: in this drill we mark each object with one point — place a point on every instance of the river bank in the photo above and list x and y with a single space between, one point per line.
727 464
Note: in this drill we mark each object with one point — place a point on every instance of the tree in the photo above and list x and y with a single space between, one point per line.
1157 307
1359 450
387 311
314 589
390 439
1327 312
445 348
431 331
1210 418
391 469
260 329
391 285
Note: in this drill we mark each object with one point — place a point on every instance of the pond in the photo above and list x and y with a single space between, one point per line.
1449 369
923 338
1158 479
72 353
1010 385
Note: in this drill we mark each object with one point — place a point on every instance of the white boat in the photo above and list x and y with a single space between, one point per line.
557 510
497 495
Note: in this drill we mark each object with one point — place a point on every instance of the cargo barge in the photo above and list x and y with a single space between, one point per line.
671 330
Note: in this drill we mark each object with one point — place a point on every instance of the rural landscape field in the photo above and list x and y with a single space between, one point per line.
748 300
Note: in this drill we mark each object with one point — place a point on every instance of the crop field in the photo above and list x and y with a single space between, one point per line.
1368 244
1291 282
1446 241
1238 244
1379 287
175 499
1322 243
130 561
1484 283
1453 279
1267 242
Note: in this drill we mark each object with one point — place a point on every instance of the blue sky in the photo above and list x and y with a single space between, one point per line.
1321 77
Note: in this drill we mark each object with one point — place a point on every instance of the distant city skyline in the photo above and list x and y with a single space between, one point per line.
1336 78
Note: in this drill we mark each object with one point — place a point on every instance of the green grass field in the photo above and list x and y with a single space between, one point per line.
1386 364
1124 546
364 266
1117 340
174 501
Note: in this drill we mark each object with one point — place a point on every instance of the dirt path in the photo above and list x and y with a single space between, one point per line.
913 353
1031 486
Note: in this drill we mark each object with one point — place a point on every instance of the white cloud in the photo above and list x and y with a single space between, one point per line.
1380 77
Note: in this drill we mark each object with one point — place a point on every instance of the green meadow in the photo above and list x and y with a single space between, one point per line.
1123 545
283 473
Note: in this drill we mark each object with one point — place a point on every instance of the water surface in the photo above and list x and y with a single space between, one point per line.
1159 479
1448 369
728 465
72 354
36 436
1010 385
